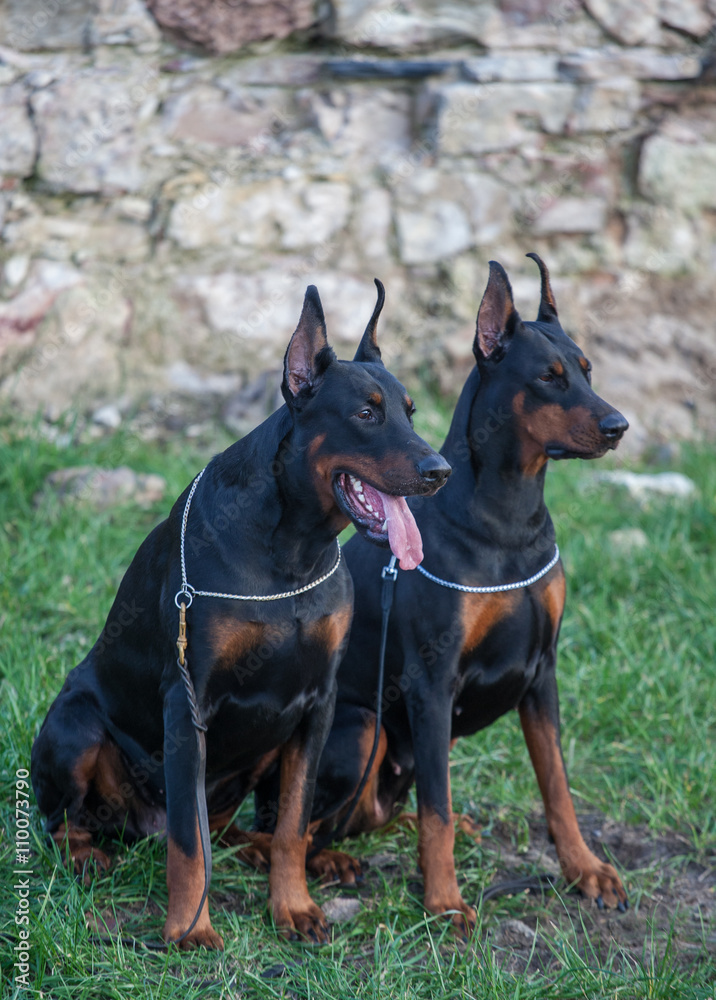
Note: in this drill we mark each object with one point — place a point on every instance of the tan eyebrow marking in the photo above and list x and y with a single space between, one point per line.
375 398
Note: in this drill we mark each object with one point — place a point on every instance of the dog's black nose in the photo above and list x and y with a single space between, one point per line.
613 425
434 468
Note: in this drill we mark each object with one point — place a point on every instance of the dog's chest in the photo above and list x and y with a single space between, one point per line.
284 658
504 638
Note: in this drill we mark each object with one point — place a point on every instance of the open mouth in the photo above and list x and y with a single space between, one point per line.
382 518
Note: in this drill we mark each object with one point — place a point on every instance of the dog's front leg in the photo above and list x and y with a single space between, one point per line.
185 858
539 715
429 702
292 908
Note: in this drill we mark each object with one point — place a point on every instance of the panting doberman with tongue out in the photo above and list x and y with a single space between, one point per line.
473 632
245 578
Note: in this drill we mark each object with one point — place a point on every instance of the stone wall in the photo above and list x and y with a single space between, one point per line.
172 180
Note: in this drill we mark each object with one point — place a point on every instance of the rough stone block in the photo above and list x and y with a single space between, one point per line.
359 120
422 24
258 312
523 67
489 208
122 22
273 213
479 118
629 21
440 229
203 113
18 139
678 174
228 27
571 215
608 106
641 63
661 240
46 24
372 225
689 16
89 125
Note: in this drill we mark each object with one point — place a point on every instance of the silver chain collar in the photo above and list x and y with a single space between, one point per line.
497 589
188 592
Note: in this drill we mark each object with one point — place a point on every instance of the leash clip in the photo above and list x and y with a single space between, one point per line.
389 572
182 641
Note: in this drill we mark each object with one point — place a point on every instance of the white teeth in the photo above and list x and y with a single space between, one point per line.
368 507
384 525
360 494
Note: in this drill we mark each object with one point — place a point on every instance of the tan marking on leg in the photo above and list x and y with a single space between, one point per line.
436 843
369 814
185 881
77 842
579 865
292 908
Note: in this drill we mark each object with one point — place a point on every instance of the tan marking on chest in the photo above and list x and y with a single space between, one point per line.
480 613
331 630
232 640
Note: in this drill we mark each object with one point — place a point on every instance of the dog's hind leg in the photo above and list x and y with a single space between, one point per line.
70 763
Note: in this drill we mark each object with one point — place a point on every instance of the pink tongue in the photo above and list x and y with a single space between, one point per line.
403 534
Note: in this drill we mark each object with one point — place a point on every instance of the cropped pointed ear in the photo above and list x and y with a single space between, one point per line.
308 354
368 349
547 306
496 317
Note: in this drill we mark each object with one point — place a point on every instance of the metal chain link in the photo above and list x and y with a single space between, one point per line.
499 588
190 592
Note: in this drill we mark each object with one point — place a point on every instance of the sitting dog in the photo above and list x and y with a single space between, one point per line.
247 572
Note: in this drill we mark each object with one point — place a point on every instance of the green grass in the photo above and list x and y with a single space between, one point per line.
637 685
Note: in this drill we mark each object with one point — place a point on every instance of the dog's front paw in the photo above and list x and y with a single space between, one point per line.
301 920
201 936
596 880
334 866
462 916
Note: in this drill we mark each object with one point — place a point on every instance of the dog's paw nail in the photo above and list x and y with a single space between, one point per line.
600 902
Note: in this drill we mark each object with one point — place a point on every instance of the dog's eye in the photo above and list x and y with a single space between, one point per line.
547 377
365 414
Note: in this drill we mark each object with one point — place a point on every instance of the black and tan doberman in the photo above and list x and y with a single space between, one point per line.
458 659
117 753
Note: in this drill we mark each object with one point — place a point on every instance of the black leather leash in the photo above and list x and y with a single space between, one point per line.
200 786
390 575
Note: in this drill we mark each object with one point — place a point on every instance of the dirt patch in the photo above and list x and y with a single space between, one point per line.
672 896
671 918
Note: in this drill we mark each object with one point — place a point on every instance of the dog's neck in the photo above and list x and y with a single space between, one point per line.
286 518
488 491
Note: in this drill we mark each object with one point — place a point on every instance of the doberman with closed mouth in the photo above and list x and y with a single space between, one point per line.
117 752
458 660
